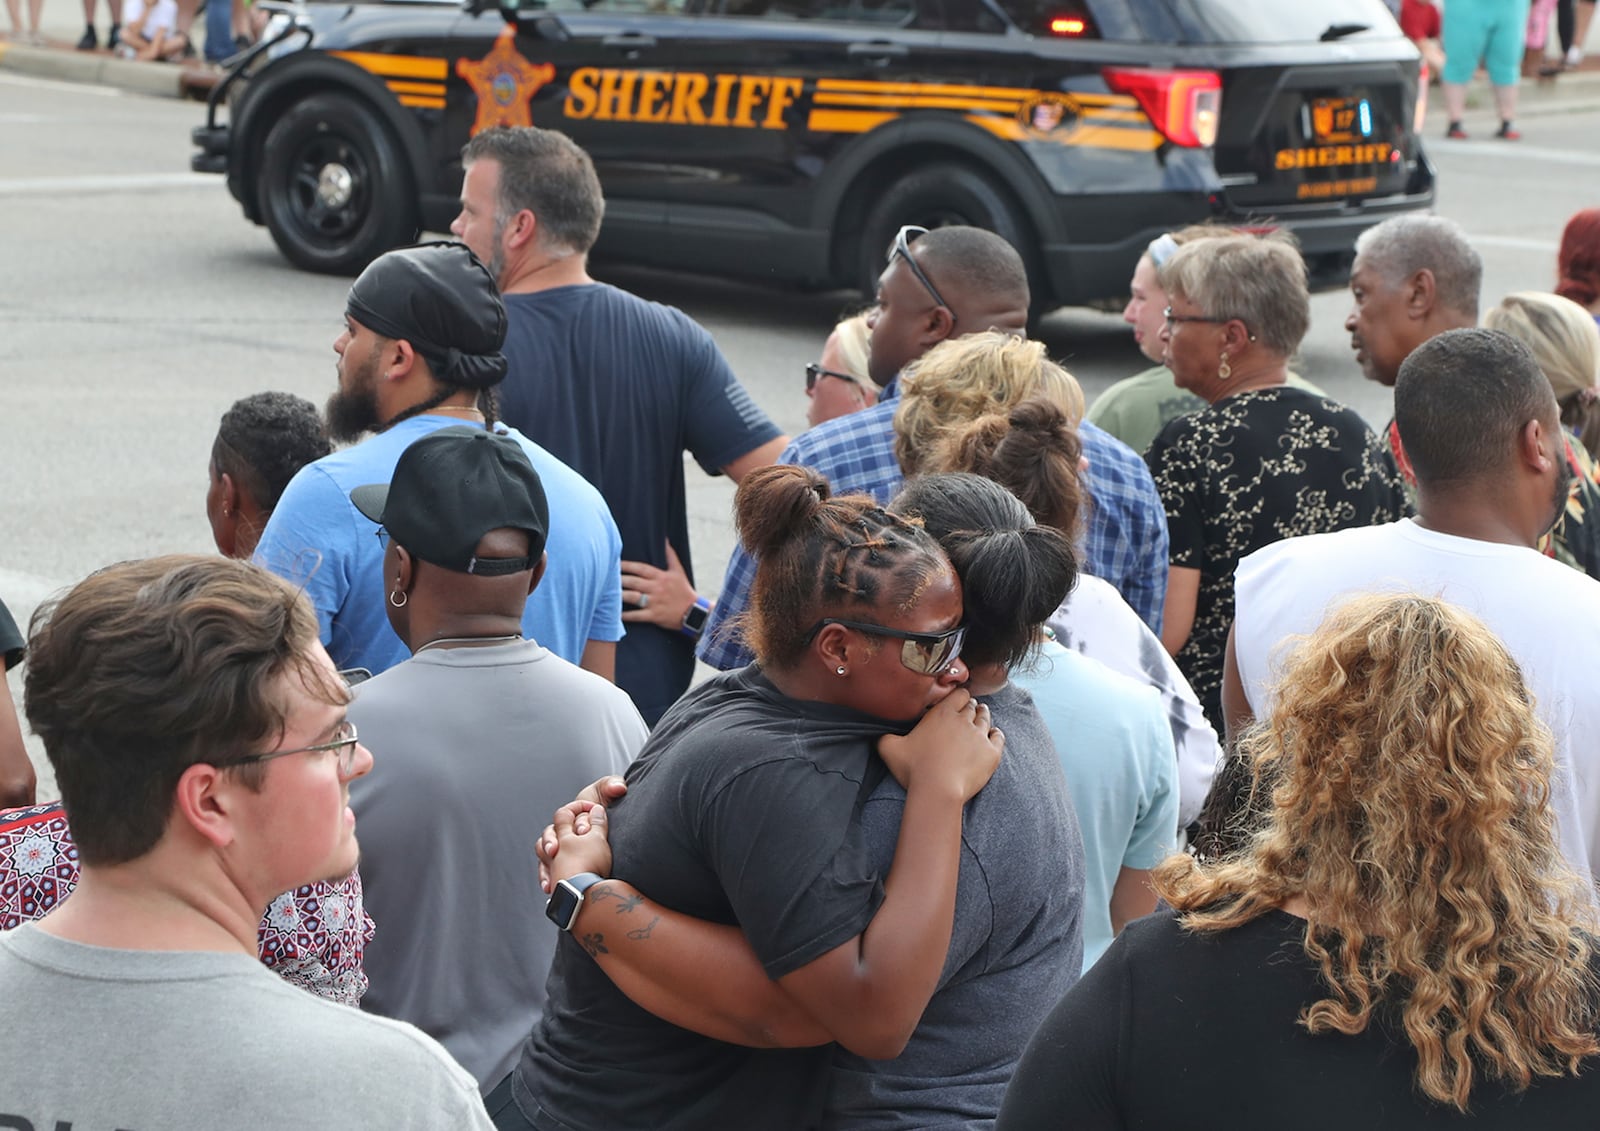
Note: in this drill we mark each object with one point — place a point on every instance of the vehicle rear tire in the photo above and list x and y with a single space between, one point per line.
935 196
333 185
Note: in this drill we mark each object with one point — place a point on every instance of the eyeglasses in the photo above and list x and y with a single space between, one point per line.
344 745
1173 319
926 653
902 248
815 371
383 537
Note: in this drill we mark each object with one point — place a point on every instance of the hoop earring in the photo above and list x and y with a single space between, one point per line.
1224 370
401 603
840 669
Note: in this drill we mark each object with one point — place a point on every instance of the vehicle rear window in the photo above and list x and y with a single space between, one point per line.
1074 19
1266 21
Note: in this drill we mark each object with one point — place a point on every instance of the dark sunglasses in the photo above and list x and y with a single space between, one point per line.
926 653
815 371
902 248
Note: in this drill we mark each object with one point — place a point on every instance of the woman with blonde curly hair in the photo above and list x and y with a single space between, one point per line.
1399 946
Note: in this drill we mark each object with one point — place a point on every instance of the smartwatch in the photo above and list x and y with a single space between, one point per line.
567 899
694 621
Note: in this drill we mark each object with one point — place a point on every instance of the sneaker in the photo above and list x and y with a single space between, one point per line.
1508 132
90 40
1455 131
1574 55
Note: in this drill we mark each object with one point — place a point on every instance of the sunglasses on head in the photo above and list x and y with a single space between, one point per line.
926 653
902 248
814 372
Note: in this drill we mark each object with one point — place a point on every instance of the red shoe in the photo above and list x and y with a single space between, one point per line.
1455 131
1508 132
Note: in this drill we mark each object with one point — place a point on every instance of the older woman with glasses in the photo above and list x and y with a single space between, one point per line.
1264 461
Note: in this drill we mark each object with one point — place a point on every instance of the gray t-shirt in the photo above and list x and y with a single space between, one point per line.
473 749
203 1041
1016 948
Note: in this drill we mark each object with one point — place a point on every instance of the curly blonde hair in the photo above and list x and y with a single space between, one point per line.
1409 786
961 379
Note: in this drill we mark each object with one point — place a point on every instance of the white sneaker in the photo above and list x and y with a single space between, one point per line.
1574 55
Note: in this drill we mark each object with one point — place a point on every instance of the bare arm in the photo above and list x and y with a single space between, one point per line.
600 657
766 454
1177 614
18 783
1131 898
1236 710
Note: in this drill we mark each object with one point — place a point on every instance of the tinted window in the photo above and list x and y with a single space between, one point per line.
1101 19
875 13
1269 21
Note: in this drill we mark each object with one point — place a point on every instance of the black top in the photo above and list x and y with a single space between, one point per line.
618 389
1177 1029
1250 470
744 807
12 644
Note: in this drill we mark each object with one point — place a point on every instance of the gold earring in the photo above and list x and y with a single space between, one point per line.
1224 370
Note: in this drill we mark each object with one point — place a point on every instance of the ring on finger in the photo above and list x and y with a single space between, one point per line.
644 600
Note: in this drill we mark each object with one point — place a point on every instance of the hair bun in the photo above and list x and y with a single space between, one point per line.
1040 417
774 504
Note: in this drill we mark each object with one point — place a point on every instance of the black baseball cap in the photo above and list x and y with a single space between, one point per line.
452 487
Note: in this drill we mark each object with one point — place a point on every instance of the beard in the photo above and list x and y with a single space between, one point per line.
353 412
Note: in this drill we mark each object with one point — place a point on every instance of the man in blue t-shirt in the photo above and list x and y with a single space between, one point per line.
420 351
616 386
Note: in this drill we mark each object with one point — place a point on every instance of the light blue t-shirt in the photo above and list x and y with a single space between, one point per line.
317 538
1116 750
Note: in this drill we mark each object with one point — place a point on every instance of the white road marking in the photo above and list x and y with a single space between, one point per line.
56 84
106 182
1500 151
1516 243
19 119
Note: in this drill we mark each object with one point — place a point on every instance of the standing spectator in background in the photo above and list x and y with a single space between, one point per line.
1296 463
1578 261
616 387
837 384
1573 18
1416 276
35 9
1490 32
938 285
198 733
90 39
420 352
482 732
1419 19
262 443
1401 947
1566 343
1135 409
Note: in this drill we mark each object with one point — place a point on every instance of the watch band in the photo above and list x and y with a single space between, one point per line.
567 899
694 620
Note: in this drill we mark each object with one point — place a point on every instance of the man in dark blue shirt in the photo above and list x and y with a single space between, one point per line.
615 386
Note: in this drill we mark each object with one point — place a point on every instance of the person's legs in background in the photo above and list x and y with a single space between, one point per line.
1585 16
1502 58
1465 37
90 40
219 30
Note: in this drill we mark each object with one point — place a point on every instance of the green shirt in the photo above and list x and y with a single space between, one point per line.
1137 408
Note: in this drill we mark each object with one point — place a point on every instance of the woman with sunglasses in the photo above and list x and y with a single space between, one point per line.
1264 461
745 810
1019 903
837 384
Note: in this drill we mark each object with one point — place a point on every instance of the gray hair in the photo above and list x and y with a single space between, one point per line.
1403 245
1260 280
547 173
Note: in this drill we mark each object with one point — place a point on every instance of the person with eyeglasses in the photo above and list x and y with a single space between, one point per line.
745 813
200 738
938 285
482 733
1019 901
837 383
1264 461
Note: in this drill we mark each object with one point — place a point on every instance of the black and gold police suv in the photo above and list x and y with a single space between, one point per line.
790 139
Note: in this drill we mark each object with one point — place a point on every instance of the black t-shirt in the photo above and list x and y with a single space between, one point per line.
1198 1030
12 644
744 807
618 389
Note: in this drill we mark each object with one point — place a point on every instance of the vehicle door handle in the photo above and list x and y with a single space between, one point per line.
877 51
628 41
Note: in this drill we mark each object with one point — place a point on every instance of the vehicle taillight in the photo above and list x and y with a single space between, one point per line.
1183 106
1068 26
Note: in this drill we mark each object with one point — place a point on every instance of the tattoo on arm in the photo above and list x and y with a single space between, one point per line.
643 932
594 943
625 903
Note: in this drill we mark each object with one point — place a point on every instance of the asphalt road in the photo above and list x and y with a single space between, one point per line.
137 304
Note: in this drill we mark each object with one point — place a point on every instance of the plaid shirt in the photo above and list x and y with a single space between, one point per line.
1125 540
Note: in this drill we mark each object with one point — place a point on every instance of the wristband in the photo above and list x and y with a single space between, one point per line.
694 621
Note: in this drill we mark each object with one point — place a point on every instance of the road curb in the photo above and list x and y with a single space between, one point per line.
162 80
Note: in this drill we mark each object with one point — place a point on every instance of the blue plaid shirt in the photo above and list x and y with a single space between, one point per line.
1125 537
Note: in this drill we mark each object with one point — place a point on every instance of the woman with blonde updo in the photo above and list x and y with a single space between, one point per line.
1400 946
837 384
1565 341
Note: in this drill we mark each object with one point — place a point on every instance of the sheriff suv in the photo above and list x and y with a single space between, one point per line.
790 139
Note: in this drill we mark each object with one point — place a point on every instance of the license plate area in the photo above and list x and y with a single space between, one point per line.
1335 121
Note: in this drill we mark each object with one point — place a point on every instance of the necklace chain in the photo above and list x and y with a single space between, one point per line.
464 640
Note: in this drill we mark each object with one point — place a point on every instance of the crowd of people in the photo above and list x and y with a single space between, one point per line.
1046 736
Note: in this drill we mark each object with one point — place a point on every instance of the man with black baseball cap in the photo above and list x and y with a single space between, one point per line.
484 734
421 351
